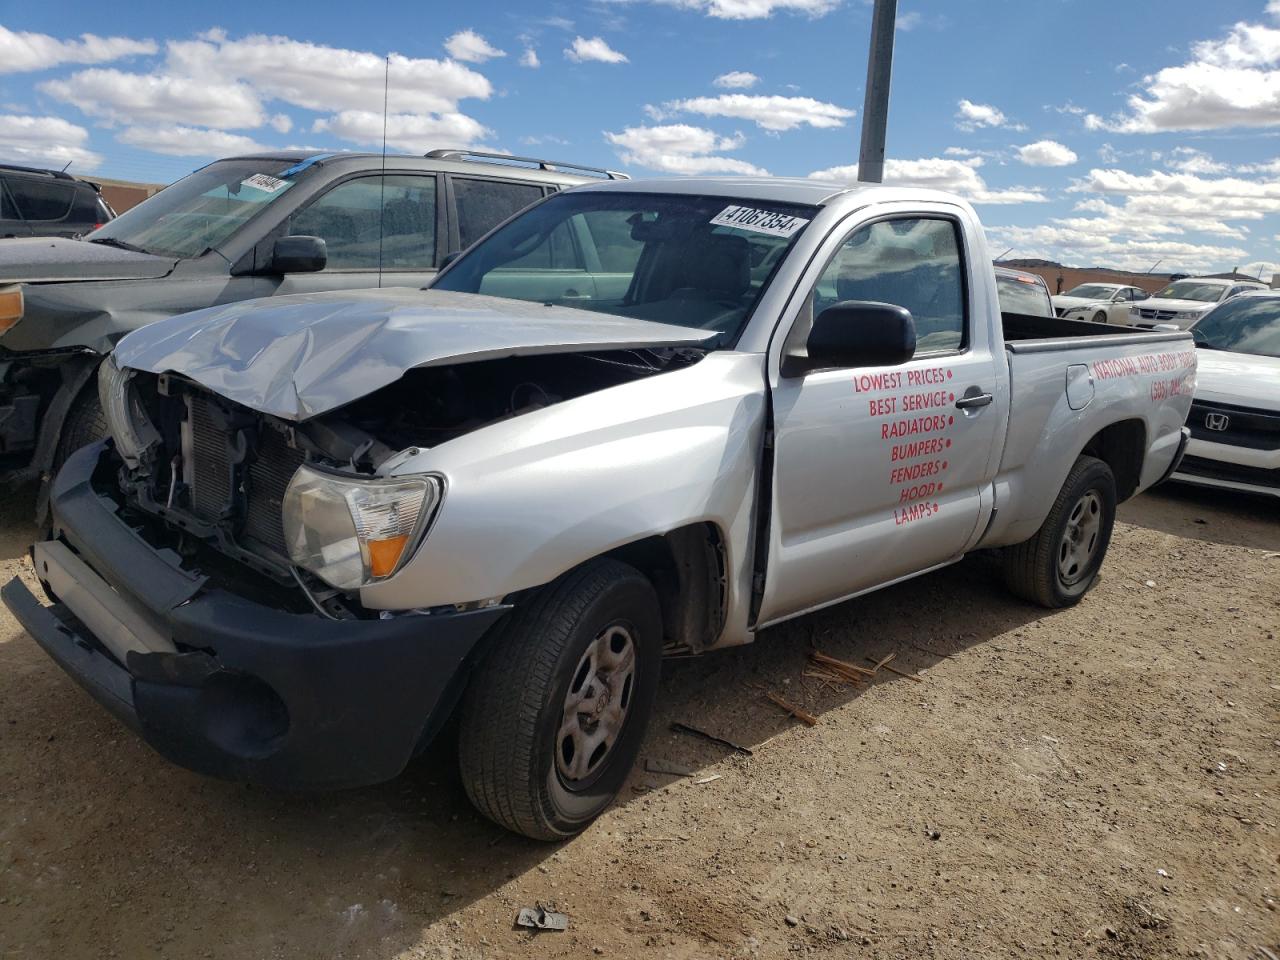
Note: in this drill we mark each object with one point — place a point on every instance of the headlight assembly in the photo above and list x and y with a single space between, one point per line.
351 532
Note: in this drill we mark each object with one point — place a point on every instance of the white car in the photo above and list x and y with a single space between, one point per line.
1235 415
1183 302
1098 302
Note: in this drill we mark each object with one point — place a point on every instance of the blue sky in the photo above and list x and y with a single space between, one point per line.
1085 131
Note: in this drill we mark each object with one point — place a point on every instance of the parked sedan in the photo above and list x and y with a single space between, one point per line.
1099 302
1235 416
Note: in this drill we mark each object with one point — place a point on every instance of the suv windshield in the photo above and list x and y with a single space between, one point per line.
1091 291
1022 295
1242 325
695 261
1193 290
201 210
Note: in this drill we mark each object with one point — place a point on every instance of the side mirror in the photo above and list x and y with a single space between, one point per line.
299 255
449 258
856 333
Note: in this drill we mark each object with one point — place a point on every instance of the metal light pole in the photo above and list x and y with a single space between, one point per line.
875 107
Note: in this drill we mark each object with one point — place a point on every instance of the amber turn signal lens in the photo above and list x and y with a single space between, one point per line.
385 554
11 307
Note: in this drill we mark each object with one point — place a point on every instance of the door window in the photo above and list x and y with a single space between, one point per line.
483 204
42 200
393 217
913 263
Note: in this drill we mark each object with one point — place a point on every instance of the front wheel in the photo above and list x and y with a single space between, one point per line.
1100 317
1057 566
555 715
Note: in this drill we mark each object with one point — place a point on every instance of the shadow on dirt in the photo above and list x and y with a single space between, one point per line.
1207 514
372 868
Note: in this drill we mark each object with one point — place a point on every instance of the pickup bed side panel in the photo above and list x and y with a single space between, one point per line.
1149 380
530 498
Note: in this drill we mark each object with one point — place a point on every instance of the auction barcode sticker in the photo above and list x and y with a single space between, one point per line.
260 181
759 221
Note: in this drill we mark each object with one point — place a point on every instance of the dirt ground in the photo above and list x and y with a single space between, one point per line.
1098 782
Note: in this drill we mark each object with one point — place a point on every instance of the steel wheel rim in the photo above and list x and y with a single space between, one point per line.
596 705
1080 539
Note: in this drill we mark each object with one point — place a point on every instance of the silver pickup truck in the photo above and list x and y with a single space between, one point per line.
638 417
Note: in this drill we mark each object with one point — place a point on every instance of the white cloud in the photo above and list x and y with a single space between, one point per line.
938 173
972 116
906 22
183 141
1229 82
413 133
143 97
45 141
470 46
328 79
1191 160
736 80
24 52
770 113
281 123
752 9
681 149
583 50
530 58
1047 153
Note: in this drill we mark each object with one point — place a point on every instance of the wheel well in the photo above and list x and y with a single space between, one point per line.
1123 447
688 569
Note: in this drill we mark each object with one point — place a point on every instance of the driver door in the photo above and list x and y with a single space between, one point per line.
878 473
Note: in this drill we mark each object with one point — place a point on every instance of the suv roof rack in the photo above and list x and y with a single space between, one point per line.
451 154
56 174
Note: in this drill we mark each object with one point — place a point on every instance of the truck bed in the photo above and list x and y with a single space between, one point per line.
1024 333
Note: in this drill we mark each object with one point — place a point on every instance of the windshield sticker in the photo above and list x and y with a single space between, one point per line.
260 181
759 221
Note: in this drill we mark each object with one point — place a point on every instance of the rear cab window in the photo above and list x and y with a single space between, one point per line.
42 200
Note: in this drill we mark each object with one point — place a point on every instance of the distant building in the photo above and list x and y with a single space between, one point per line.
123 194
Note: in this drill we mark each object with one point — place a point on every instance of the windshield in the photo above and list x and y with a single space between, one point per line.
695 261
201 210
1092 291
1242 325
1023 296
1193 290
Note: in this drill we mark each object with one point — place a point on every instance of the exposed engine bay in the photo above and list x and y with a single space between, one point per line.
217 472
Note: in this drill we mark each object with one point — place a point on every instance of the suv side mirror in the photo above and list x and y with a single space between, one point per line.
856 333
299 255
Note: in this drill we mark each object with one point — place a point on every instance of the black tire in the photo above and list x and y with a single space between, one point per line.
511 752
1100 317
1050 569
85 424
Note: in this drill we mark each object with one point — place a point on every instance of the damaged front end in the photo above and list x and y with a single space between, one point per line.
316 508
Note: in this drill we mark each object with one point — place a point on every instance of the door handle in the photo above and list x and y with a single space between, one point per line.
970 401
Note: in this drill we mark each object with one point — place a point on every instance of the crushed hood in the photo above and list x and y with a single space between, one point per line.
1242 379
56 259
297 357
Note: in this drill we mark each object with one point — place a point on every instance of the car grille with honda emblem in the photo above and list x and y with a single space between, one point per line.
1239 426
217 473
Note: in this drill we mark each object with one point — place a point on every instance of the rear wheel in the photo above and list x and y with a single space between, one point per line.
555 715
1057 566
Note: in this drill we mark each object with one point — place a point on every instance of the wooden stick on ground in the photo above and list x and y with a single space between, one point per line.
901 673
801 715
840 666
